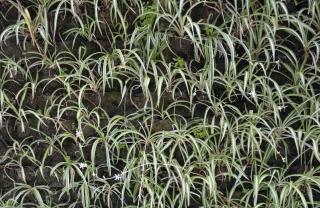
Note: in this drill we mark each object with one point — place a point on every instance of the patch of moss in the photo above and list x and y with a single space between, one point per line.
148 18
179 62
200 132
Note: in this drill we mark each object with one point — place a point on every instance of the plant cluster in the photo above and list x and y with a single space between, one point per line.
159 103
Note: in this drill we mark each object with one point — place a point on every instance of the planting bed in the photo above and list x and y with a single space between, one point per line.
159 103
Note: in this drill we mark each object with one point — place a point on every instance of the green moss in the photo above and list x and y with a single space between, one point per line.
200 132
179 62
149 15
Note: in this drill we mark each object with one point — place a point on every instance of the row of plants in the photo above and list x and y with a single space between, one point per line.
163 103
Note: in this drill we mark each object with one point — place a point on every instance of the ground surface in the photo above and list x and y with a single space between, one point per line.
159 103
